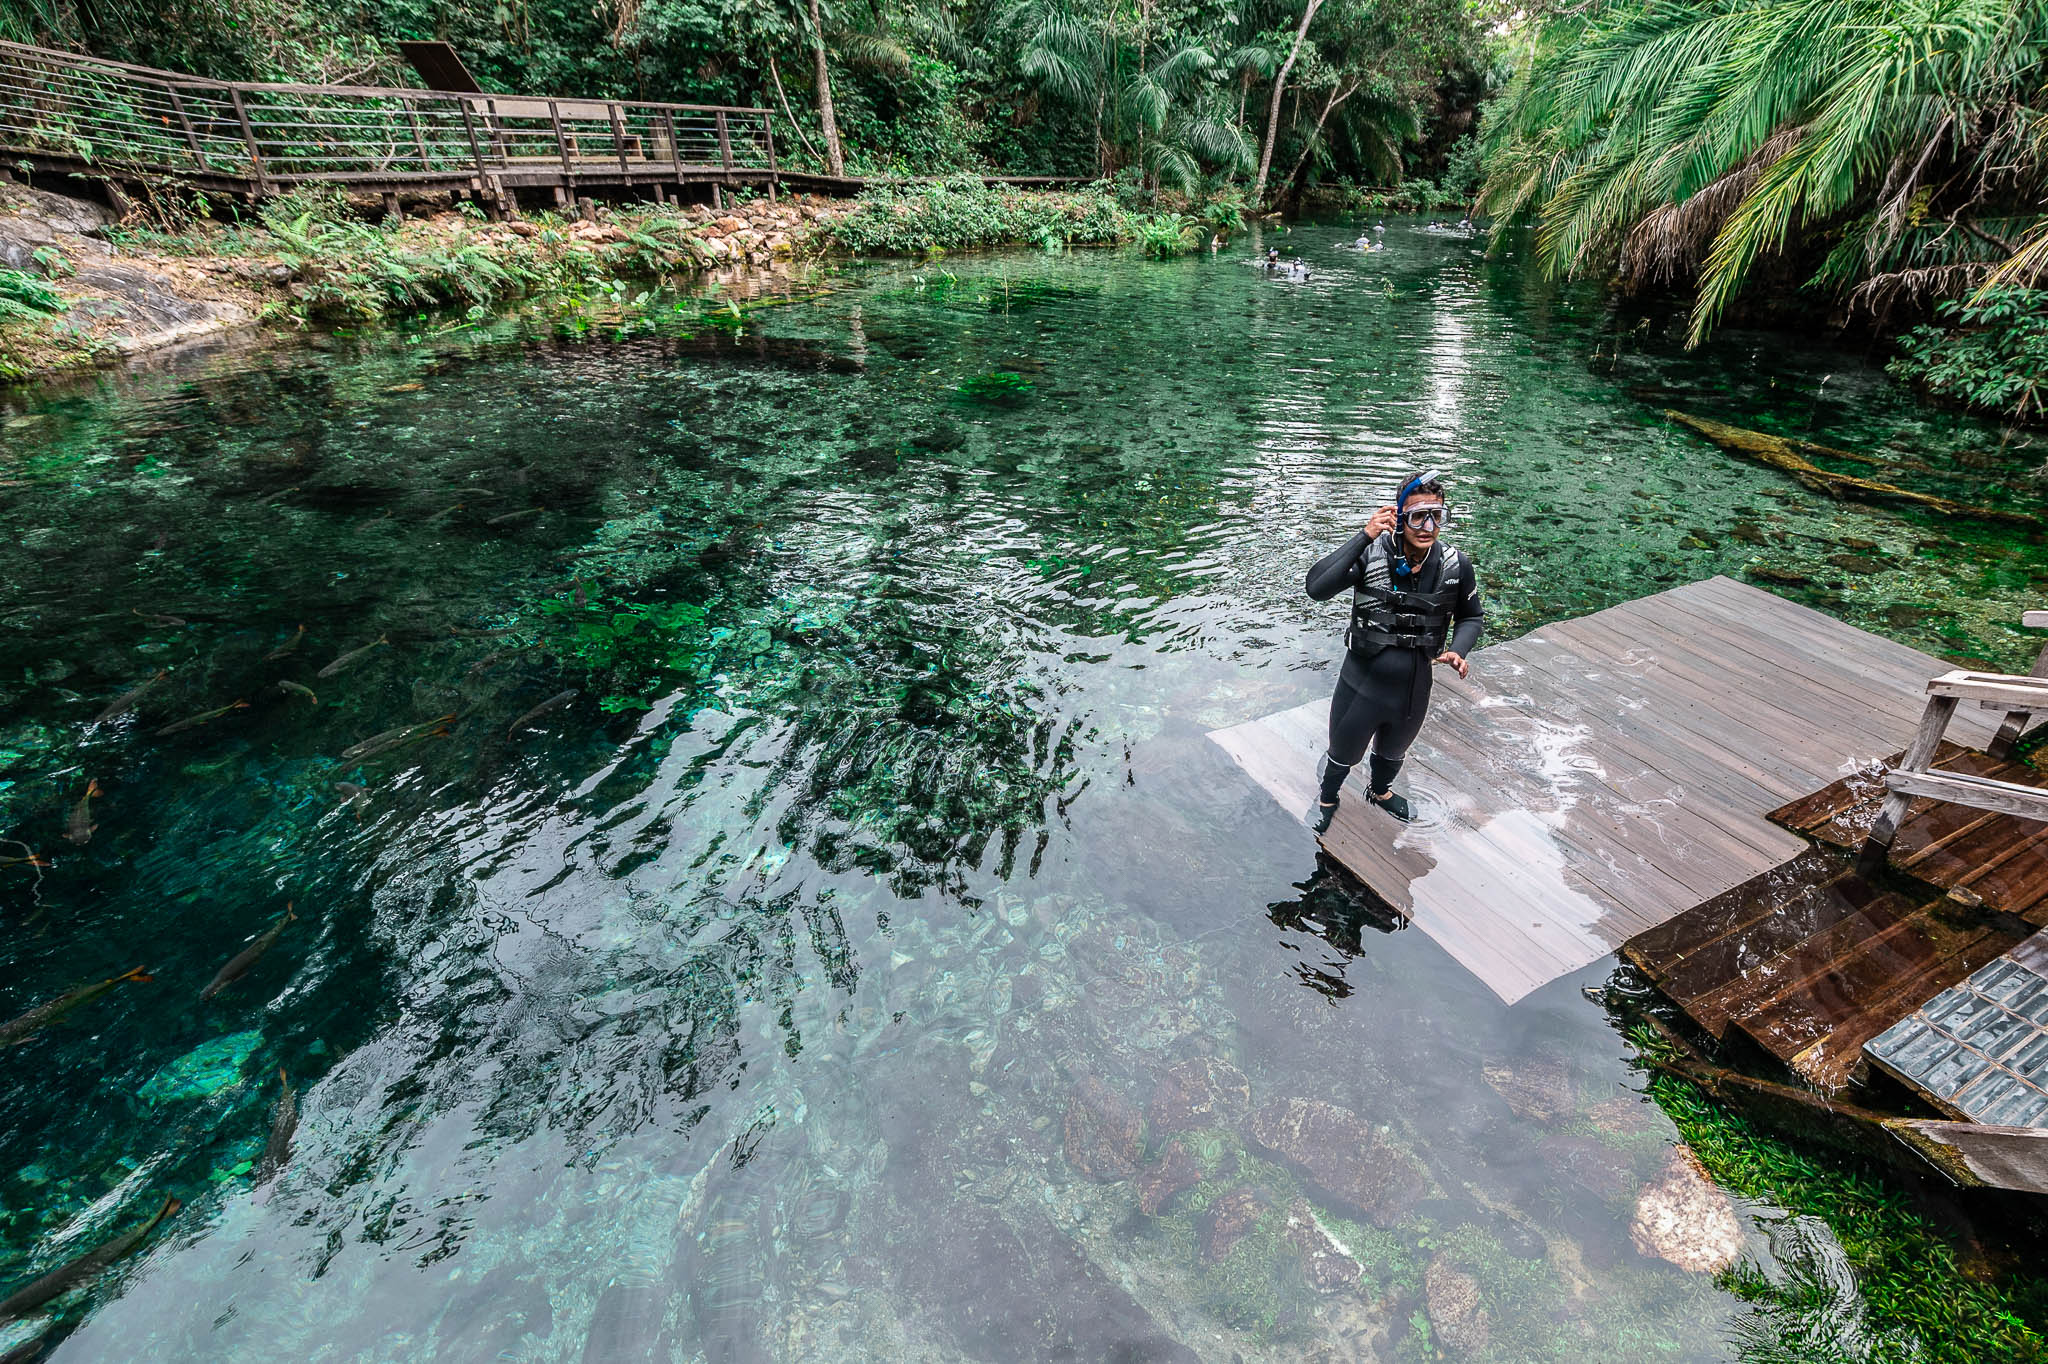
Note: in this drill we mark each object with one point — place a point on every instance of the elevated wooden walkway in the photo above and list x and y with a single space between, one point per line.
1599 776
113 122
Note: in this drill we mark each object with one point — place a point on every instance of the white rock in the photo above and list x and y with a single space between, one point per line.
1683 1218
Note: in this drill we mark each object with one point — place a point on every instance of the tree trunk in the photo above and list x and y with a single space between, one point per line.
1336 98
828 127
1258 194
788 113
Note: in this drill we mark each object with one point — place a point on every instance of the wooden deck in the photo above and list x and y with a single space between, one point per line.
1599 776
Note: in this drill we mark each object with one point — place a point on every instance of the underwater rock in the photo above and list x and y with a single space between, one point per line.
1589 1166
819 1213
1343 1155
626 1324
205 1070
1325 1261
1537 1088
1683 1218
1024 1292
1167 1178
1857 563
1102 1131
1229 1220
1621 1115
1455 1315
1782 577
1202 1092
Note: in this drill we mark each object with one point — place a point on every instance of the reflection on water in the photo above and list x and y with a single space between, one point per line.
871 958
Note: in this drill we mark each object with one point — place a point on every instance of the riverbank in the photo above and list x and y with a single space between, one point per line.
90 288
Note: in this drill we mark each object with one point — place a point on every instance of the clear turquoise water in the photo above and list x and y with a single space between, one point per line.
735 1008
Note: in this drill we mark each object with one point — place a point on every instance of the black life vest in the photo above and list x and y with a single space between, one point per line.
1384 616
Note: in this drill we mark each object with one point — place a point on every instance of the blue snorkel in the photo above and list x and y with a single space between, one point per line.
1401 567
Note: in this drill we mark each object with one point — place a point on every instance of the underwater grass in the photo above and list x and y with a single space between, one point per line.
1919 1303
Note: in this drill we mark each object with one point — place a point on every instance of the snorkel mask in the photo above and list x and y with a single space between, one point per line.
1401 568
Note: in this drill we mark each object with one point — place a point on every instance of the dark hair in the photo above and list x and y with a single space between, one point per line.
1433 488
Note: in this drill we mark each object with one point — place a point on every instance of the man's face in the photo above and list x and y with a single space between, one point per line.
1419 527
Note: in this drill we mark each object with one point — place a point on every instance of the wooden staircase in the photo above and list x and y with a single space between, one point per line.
1810 962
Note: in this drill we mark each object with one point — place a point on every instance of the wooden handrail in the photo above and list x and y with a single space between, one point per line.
107 112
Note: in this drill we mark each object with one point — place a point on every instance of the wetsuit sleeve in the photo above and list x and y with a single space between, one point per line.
1339 569
1468 613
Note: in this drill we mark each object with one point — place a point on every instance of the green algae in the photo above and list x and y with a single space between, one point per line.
204 1071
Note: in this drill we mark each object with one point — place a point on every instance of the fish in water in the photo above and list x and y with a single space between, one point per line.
509 517
351 790
553 703
351 656
405 388
239 964
152 618
127 700
284 1122
269 498
32 860
286 649
487 660
390 739
78 829
195 721
49 1011
59 1280
298 689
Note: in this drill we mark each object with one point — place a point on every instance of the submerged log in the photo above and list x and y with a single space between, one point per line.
1795 457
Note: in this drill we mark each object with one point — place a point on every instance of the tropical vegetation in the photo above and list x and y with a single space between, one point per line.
1264 94
1887 155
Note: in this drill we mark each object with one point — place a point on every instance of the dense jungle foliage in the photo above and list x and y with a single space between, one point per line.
1889 156
1184 95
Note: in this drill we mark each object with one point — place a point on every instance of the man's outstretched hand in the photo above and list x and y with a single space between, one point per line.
1454 660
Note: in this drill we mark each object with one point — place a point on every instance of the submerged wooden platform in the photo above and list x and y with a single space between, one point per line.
1810 963
1599 776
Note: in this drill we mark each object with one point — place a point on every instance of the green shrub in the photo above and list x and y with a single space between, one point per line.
963 212
1992 354
1171 234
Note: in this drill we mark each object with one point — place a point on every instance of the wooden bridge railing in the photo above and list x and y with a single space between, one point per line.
113 115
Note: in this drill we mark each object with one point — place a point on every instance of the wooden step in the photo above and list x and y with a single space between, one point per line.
1662 950
1738 997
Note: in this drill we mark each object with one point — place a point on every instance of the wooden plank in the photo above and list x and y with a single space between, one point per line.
2008 689
2034 620
1979 1154
1979 793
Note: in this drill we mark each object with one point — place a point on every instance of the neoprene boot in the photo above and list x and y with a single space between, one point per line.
1332 783
1382 788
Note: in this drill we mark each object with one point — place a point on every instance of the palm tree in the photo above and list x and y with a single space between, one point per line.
1696 138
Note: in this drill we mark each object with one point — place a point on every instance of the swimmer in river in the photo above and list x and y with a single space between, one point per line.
1272 258
1379 230
1415 601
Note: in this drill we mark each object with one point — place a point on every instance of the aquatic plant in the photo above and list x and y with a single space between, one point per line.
642 650
1914 1291
1000 388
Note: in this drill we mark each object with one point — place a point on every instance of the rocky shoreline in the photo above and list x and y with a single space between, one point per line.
129 294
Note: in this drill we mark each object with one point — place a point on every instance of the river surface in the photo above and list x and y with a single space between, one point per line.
796 988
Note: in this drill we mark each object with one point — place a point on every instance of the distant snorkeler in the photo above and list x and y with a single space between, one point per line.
1272 258
1415 601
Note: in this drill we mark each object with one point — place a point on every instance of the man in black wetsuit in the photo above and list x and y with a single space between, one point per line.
1415 601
